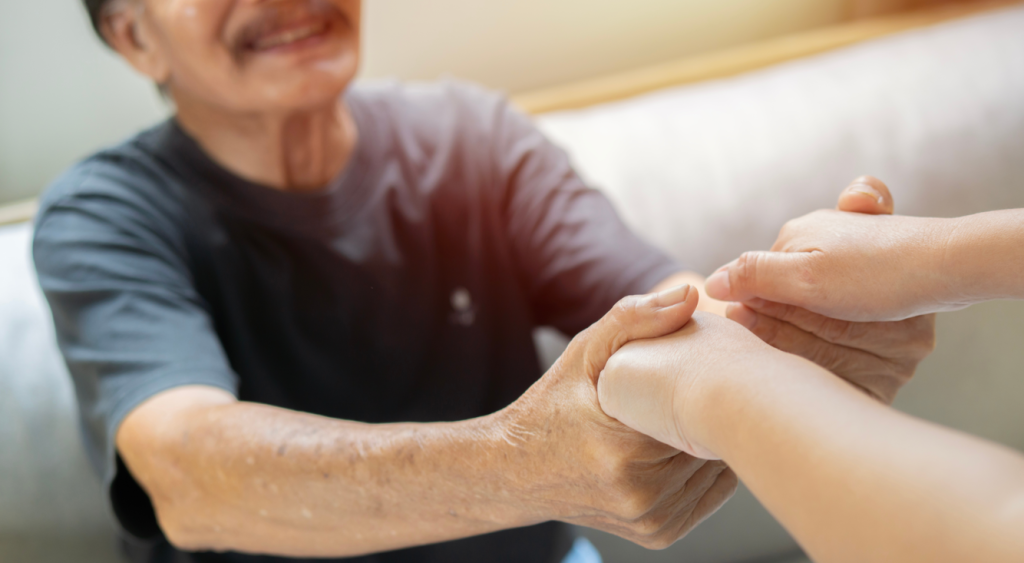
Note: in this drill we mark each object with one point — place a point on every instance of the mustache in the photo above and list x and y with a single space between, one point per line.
280 15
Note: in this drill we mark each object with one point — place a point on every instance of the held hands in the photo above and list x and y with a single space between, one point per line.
574 463
660 386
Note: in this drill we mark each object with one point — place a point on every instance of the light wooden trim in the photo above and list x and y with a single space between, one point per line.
740 59
18 212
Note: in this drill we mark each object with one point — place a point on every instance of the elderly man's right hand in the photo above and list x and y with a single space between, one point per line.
230 475
576 464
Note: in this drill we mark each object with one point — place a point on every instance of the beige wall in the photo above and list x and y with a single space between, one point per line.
526 44
62 95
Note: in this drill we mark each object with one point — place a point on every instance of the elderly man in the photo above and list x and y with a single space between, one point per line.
299 315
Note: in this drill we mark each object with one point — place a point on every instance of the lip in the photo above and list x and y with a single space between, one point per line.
292 37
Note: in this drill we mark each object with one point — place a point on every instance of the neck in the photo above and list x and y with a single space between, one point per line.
293 151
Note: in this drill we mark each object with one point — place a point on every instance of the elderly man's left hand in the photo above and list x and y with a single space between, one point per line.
877 357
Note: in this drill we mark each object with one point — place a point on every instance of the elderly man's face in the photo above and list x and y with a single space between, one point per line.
251 55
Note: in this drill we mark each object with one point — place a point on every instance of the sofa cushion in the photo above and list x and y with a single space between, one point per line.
47 484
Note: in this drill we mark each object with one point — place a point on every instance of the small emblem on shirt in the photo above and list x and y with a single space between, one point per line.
463 312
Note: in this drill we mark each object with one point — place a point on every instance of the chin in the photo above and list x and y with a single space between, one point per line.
314 84
308 96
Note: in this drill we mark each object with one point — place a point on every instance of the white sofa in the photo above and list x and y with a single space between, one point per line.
705 171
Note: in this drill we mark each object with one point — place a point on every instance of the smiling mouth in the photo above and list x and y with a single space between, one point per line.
289 37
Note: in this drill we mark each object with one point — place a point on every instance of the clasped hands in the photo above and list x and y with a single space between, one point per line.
804 296
605 409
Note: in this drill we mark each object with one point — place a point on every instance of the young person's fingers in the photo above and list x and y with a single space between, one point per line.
867 195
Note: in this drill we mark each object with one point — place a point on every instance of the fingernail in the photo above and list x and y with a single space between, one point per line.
867 190
742 315
717 286
672 296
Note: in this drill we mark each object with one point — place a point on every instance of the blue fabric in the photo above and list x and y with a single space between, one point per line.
583 552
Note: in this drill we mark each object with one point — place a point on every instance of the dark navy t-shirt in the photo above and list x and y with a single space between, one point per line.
406 290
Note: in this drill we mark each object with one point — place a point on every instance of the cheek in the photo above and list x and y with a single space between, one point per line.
196 24
199 60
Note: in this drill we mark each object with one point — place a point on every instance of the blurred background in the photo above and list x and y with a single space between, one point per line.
63 95
705 169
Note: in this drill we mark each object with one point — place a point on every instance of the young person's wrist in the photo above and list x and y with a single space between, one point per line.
704 413
953 280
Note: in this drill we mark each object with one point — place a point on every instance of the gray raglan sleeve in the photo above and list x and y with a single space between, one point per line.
577 254
128 319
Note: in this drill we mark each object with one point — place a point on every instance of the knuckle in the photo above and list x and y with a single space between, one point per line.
615 469
649 527
632 508
833 358
632 504
658 542
782 312
807 273
835 330
789 228
745 272
626 308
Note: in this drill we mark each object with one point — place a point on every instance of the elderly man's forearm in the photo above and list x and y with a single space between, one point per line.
258 479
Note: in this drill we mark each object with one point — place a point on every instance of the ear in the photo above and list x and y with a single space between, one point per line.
128 32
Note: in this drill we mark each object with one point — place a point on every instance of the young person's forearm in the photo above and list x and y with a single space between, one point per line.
856 481
984 256
253 478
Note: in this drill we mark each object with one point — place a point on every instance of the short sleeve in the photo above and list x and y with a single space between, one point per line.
128 320
578 256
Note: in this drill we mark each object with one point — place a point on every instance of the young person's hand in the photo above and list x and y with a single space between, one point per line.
572 462
858 263
817 251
